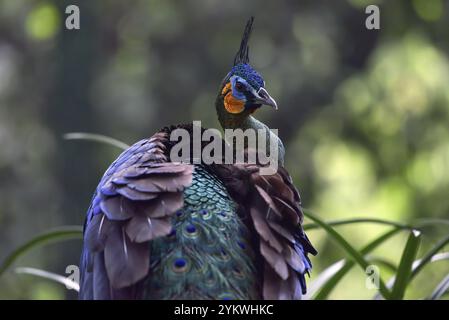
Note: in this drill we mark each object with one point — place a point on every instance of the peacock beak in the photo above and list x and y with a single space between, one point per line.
263 97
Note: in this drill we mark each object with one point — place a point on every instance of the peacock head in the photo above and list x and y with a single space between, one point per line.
243 89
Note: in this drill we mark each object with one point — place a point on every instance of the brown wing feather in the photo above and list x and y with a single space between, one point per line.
126 261
279 194
133 205
273 203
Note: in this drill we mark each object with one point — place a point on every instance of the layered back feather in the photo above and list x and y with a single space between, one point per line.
163 230
158 229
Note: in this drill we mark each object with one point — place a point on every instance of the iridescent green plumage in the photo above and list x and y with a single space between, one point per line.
209 251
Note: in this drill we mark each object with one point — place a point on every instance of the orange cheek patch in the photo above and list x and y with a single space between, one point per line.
232 104
226 88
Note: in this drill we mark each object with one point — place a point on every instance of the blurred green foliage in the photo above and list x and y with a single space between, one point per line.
43 22
363 114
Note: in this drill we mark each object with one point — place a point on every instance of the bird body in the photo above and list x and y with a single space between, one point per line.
208 254
162 229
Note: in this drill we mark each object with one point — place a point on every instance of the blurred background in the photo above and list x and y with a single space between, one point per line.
363 113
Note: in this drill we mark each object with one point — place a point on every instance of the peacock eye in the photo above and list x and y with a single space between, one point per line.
239 86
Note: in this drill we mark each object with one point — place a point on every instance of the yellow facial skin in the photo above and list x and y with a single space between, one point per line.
232 104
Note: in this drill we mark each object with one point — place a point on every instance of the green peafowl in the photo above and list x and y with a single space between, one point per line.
160 229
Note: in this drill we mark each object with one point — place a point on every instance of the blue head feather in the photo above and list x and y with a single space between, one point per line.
241 66
246 72
245 81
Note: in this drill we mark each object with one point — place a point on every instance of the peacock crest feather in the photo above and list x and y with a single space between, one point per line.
242 55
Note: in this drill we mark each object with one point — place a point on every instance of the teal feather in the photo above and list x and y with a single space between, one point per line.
209 241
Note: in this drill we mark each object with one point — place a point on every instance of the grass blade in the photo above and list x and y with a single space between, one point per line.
96 137
416 264
70 284
440 289
403 275
349 250
327 288
60 233
310 226
428 257
421 223
431 221
323 278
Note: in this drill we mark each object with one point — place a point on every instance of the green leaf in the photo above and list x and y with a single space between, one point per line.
310 226
96 137
330 284
418 224
431 221
57 234
428 257
403 275
440 289
349 250
436 257
70 284
323 279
